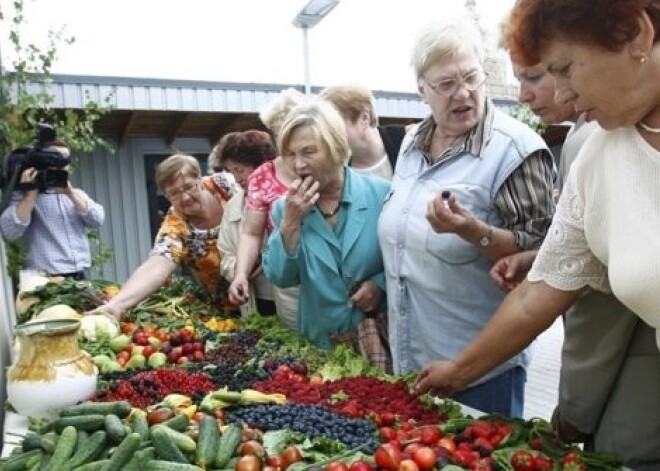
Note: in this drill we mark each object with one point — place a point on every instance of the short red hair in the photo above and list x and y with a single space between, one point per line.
609 24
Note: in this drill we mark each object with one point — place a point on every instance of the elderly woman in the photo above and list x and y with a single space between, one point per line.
240 153
325 228
267 183
187 235
471 185
606 61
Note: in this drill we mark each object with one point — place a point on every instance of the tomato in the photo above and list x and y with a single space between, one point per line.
149 331
162 335
275 461
543 463
408 465
182 360
252 447
336 466
127 327
148 351
387 433
448 444
523 461
483 443
248 463
290 455
159 415
430 435
387 418
140 338
466 458
198 356
425 458
361 465
410 449
388 456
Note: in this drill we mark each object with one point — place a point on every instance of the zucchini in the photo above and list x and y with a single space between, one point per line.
89 423
227 445
19 461
140 425
115 429
119 408
64 449
178 422
93 466
90 450
207 441
124 452
165 447
160 465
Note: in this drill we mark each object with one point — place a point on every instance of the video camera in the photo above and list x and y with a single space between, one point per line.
48 163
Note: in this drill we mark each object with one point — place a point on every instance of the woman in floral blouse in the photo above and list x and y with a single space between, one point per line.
187 235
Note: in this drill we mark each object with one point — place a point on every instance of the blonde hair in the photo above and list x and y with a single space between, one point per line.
325 122
351 101
175 166
440 40
275 112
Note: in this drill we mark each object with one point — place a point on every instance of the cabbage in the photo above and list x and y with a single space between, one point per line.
95 327
58 311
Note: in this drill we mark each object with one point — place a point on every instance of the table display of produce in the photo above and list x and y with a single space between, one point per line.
181 388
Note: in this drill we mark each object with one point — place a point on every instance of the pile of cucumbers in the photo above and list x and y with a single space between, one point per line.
110 436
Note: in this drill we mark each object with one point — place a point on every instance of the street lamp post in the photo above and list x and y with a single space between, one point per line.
307 18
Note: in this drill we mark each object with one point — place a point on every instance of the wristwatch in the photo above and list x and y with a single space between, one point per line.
486 240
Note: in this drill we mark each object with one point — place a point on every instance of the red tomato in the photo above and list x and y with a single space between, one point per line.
275 461
448 444
252 447
387 418
248 463
466 457
425 458
336 466
361 465
387 433
543 463
148 351
290 455
408 465
430 435
411 448
140 338
388 456
523 461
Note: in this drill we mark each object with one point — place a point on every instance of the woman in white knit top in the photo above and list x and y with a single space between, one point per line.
606 232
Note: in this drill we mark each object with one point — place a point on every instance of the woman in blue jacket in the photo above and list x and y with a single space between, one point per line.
325 236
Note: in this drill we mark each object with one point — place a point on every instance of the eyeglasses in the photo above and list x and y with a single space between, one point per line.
187 188
448 87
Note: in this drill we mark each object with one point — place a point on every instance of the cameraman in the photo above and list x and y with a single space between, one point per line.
52 223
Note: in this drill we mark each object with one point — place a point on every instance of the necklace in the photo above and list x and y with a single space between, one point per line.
331 213
648 128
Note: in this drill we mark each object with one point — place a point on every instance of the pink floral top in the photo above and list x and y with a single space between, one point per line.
263 190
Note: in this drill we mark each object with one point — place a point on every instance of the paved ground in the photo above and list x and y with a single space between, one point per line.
543 374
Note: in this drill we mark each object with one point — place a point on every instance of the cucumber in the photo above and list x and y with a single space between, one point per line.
207 441
115 429
32 441
178 422
140 425
45 461
160 465
93 466
19 462
165 447
227 445
48 442
64 449
140 459
119 408
90 449
34 462
124 452
89 423
182 440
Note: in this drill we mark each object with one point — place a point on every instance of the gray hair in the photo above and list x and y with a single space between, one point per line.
442 39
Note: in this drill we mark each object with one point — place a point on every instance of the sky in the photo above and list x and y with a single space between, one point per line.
365 42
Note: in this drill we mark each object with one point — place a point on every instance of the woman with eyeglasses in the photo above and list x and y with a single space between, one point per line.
187 236
471 185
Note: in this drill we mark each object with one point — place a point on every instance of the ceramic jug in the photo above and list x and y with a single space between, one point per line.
50 370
